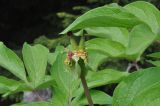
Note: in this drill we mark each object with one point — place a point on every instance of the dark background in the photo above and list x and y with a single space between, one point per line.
25 20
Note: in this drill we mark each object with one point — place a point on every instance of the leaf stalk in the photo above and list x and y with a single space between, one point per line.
86 90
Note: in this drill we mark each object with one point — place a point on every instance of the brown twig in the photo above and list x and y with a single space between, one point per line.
86 90
131 65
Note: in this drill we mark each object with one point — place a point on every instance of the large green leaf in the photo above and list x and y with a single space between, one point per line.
140 88
105 46
10 61
103 77
95 59
140 38
114 33
98 97
105 16
35 59
151 96
66 83
147 13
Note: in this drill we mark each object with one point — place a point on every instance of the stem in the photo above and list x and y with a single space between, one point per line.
86 90
73 42
81 43
134 64
129 67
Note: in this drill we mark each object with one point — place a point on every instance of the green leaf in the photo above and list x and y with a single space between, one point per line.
77 70
140 88
95 59
103 77
155 63
42 103
105 46
48 81
137 46
113 33
66 83
151 96
35 59
52 56
147 13
8 85
60 98
98 97
10 61
105 16
155 55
